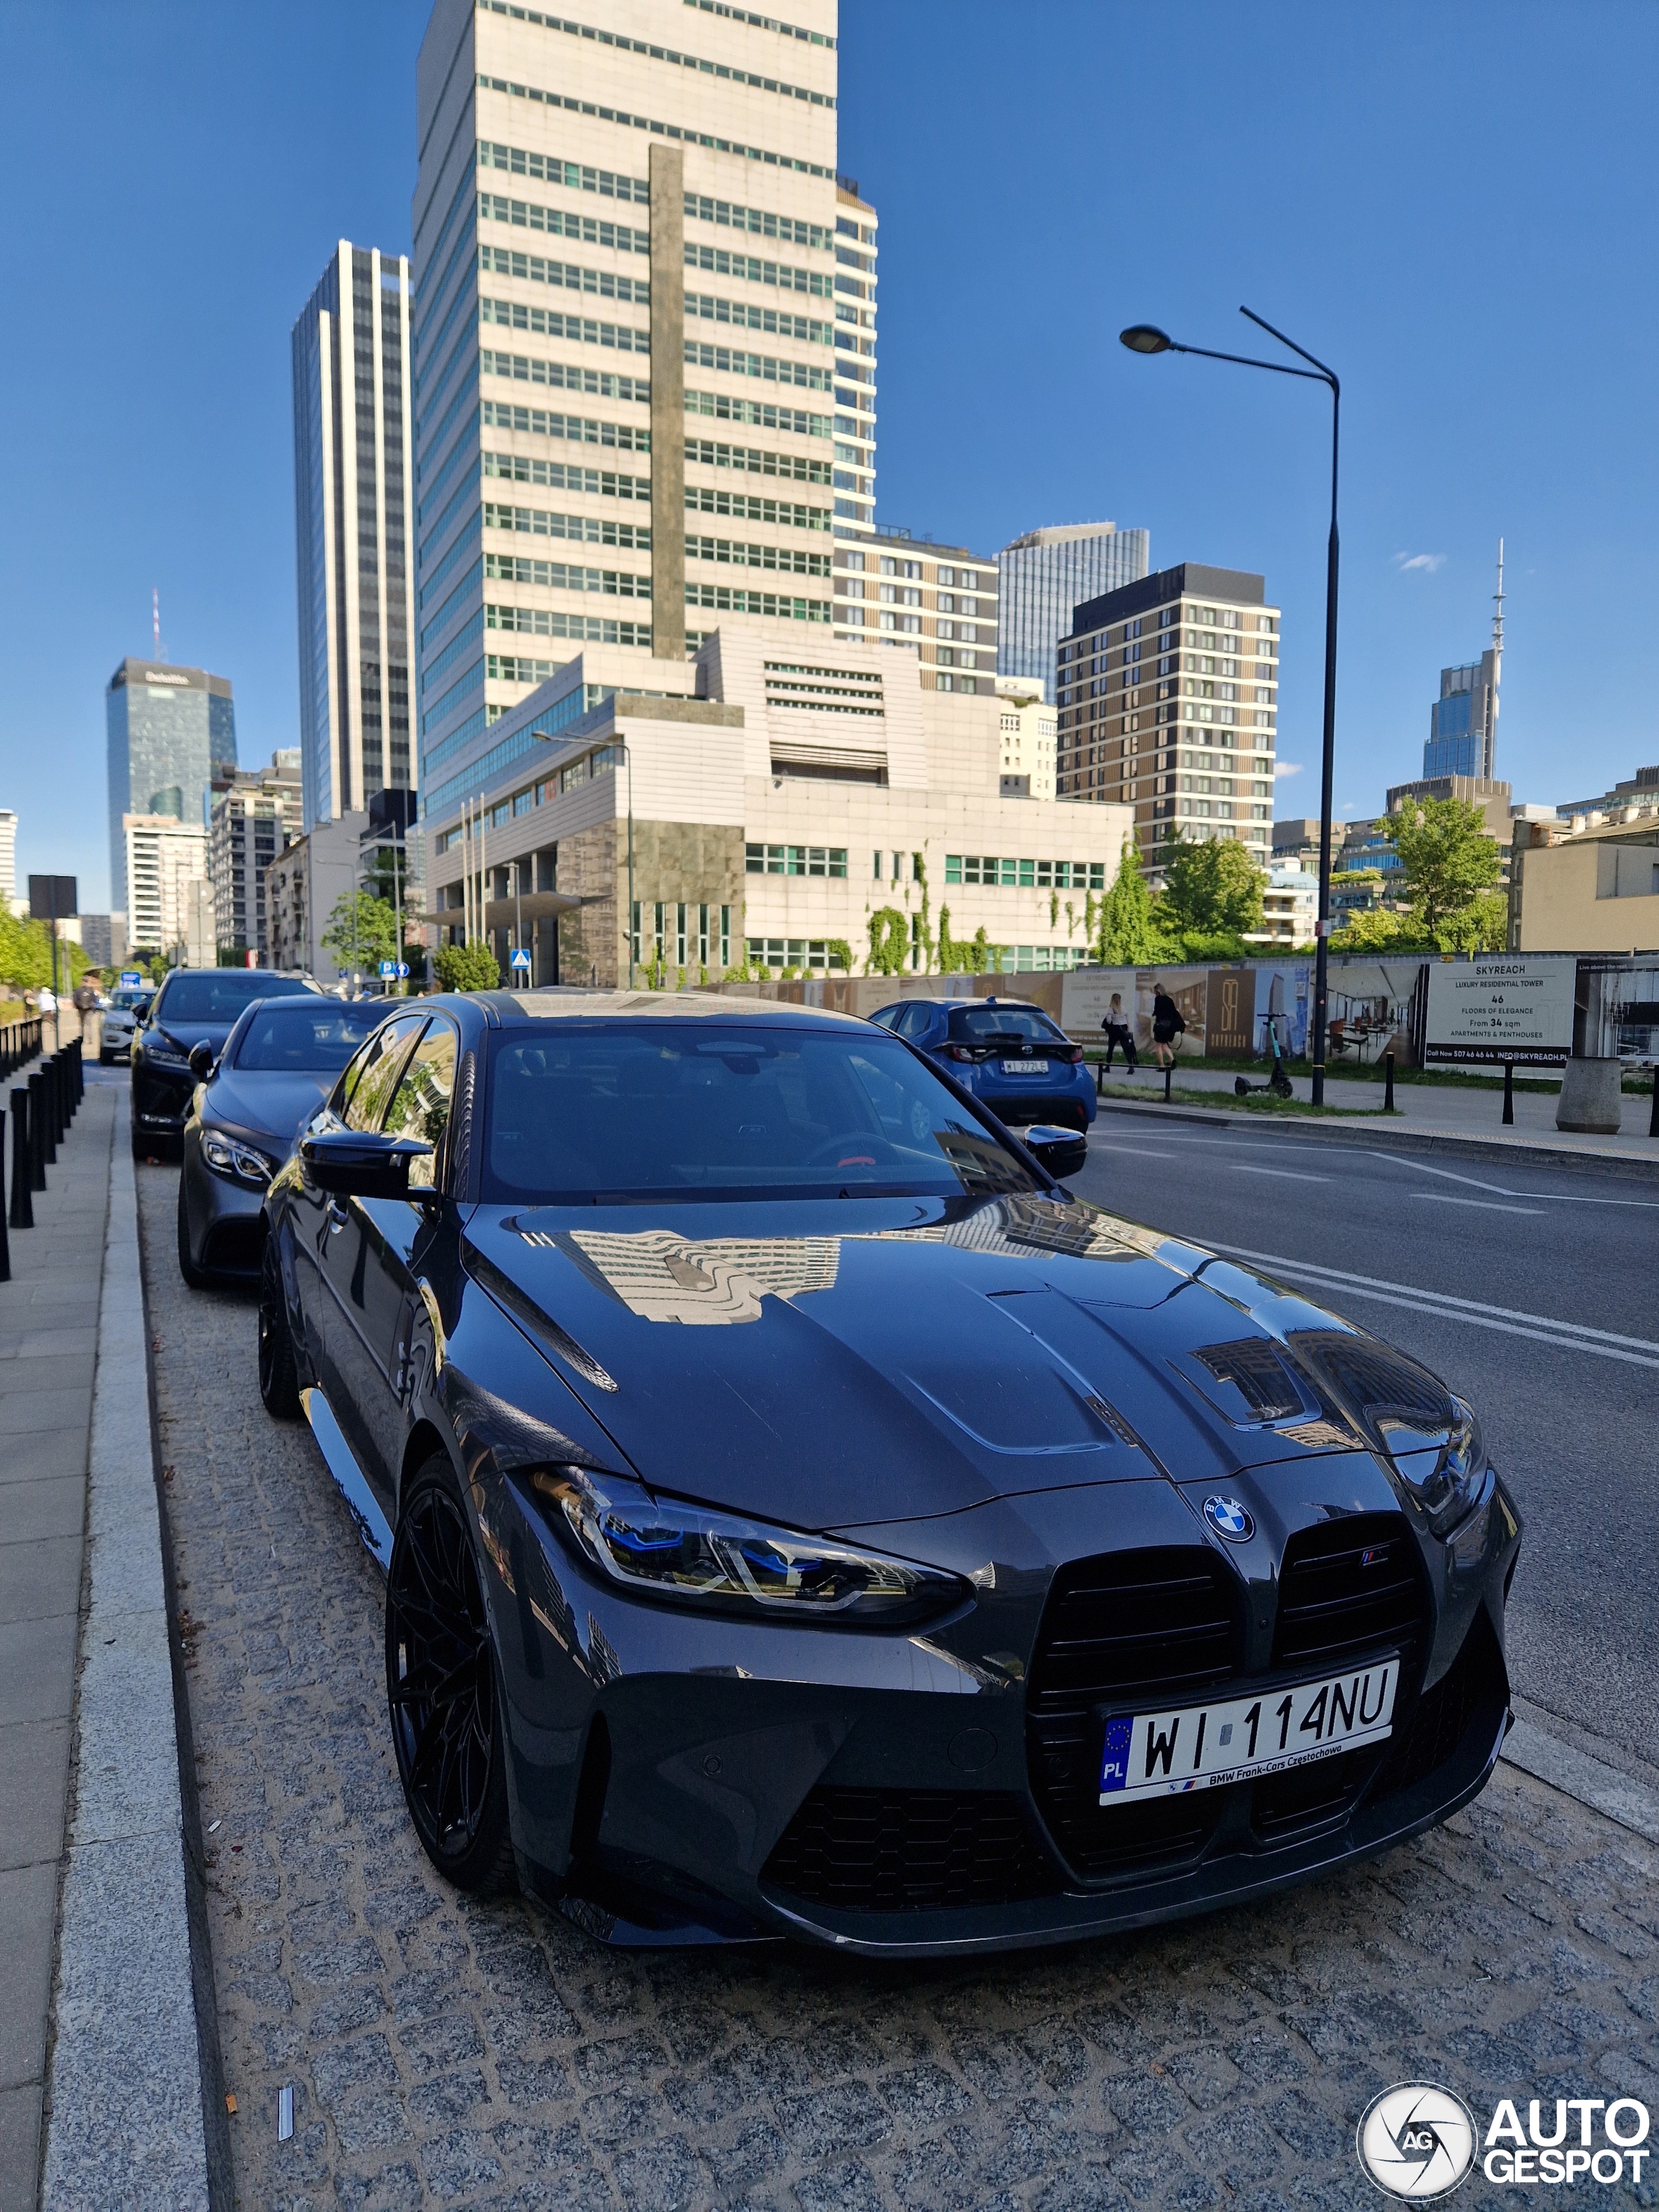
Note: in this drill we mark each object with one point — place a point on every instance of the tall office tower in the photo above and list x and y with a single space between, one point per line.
1045 575
939 600
1168 700
7 858
1462 737
352 418
644 344
169 730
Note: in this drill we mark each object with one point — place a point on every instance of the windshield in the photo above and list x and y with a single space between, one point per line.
309 1036
219 994
131 1002
974 1024
616 1114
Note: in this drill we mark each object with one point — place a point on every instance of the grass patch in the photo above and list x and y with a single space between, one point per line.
1255 1102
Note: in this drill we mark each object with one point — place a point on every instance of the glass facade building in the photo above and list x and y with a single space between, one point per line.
352 463
169 730
1046 573
1462 737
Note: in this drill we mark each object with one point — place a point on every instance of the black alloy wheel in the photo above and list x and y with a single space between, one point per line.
447 1726
195 1278
279 1379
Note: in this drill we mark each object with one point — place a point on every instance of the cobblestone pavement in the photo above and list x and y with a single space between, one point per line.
446 2053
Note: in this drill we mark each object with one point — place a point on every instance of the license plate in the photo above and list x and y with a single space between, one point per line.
1203 1746
1026 1068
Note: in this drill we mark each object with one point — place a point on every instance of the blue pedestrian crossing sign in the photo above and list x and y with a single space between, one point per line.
520 956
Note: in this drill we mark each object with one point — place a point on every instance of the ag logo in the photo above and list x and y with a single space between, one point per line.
1417 2142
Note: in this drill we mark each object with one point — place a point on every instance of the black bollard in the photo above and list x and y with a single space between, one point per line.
1653 1115
1169 1077
23 1210
1509 1092
79 1072
5 1245
1387 1083
37 1132
53 1069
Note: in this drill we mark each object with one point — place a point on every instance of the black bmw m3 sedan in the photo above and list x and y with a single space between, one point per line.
803 1517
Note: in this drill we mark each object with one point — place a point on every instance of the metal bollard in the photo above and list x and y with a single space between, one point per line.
1509 1092
53 1069
37 1132
1387 1083
1653 1115
23 1210
5 1244
1169 1077
79 1072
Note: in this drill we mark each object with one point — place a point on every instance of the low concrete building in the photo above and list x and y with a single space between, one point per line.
779 800
303 885
1026 725
1290 906
1591 885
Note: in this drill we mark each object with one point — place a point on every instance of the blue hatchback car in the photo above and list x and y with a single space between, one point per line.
1013 1057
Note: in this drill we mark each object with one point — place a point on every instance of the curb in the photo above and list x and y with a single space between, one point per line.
1364 1130
1587 1781
124 2088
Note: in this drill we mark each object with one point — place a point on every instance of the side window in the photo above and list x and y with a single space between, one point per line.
420 1106
914 1022
377 1069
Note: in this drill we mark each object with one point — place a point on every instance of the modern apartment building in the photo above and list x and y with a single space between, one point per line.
169 730
164 867
104 938
1026 726
255 815
1167 695
771 805
644 341
353 466
1046 573
939 601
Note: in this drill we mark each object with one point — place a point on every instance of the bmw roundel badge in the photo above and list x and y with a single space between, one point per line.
1229 1518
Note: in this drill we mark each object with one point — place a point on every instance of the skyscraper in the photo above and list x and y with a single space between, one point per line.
1045 575
1168 700
1462 737
644 341
168 729
352 465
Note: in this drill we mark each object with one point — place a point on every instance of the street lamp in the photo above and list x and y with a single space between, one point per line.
1146 338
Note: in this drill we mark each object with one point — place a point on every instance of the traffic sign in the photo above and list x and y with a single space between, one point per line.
403 969
520 957
131 979
388 966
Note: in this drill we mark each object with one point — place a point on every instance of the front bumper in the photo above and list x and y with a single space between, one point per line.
226 1218
895 1794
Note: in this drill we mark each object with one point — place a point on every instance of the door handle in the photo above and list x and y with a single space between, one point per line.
337 1215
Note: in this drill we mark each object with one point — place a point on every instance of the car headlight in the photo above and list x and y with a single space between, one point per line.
659 1548
1446 1483
163 1055
227 1157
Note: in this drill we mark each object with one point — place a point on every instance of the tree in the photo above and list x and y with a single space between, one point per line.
26 954
1448 861
1213 888
362 931
1129 937
1377 929
1483 926
465 967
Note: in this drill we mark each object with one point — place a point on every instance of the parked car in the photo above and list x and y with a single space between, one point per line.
124 1014
803 1517
279 1062
194 1006
1011 1056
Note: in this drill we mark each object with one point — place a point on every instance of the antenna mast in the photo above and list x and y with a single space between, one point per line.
156 618
1497 666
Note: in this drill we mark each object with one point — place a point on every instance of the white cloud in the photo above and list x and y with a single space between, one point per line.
1288 768
1427 562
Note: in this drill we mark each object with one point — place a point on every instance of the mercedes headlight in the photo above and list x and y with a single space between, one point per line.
163 1055
664 1548
226 1156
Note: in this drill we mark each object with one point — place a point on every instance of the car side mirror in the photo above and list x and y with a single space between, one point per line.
1062 1151
360 1162
201 1060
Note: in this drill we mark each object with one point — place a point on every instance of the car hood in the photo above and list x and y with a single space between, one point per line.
871 1359
184 1036
272 1105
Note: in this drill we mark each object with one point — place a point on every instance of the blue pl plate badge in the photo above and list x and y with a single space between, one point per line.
1114 1759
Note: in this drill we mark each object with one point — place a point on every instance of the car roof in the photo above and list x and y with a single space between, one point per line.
955 1005
516 1009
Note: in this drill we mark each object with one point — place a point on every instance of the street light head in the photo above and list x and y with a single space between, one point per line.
1145 338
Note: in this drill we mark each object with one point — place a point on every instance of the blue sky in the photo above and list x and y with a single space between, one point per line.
1453 206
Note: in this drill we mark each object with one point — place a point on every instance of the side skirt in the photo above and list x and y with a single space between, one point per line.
360 1500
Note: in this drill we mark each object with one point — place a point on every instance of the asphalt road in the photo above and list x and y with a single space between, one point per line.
1533 1290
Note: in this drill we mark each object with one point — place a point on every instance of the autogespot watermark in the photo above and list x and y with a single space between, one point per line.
1418 2142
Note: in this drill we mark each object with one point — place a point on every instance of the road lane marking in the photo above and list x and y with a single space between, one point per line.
1140 1152
1508 1320
1284 1174
1486 1205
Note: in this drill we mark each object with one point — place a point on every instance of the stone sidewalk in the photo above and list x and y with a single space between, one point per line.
48 1355
443 2052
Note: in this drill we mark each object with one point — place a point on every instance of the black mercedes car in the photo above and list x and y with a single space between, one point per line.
278 1064
194 1007
803 1517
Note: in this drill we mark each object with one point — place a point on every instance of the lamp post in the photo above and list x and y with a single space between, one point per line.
1145 338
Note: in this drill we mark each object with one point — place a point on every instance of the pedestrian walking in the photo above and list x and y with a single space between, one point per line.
1119 1035
1167 1025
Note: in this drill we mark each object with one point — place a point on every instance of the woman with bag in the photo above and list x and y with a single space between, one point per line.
1119 1035
1167 1026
